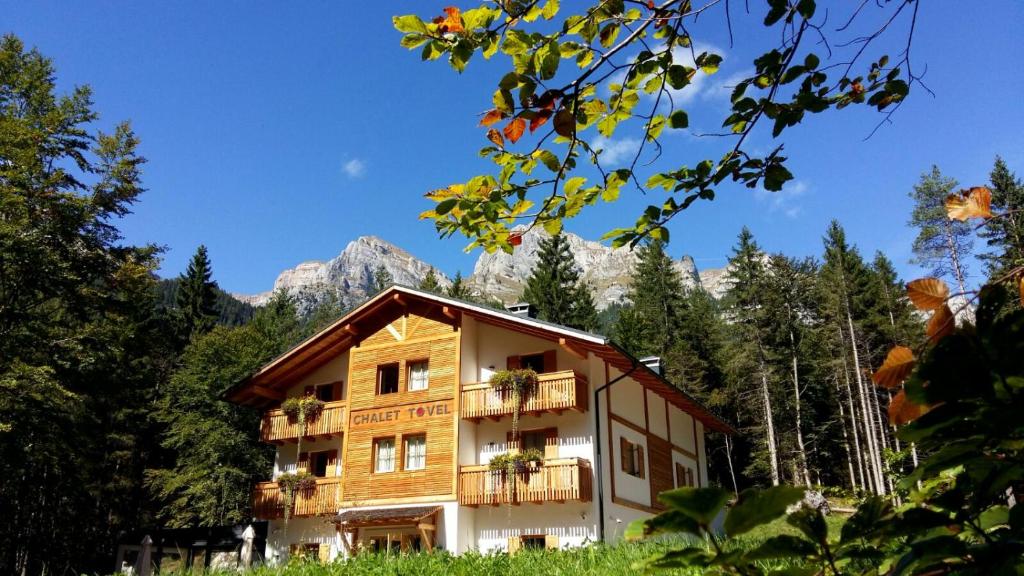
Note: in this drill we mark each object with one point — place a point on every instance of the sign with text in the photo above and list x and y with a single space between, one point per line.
387 417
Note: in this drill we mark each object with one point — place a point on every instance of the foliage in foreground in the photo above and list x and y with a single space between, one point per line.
960 403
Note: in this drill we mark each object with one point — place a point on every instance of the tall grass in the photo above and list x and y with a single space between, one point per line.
594 560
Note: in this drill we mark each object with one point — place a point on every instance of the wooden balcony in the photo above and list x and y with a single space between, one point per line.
324 499
278 428
556 392
558 480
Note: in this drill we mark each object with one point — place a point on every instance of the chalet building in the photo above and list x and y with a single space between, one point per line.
410 423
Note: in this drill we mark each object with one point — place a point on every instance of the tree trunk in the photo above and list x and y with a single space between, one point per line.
769 423
863 478
869 432
802 452
728 457
954 256
846 438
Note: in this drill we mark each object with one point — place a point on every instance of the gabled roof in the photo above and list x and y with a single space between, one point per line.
266 386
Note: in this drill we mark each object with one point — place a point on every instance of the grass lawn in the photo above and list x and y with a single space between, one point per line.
618 560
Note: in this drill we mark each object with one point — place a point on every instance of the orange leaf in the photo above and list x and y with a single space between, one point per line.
515 238
902 410
565 123
941 324
928 293
896 368
514 129
539 120
491 117
973 203
453 23
1020 288
495 136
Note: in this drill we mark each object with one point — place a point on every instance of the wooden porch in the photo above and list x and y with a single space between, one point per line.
324 499
556 392
558 480
277 428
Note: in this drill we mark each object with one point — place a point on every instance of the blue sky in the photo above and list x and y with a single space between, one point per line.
278 133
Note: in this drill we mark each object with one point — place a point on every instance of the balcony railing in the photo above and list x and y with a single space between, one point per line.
555 392
277 427
558 480
324 499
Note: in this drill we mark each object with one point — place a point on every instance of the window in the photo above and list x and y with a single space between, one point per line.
632 456
387 379
415 452
533 439
534 542
533 362
325 392
418 375
384 455
318 463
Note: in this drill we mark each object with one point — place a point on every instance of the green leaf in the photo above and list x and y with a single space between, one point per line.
782 546
655 126
775 175
671 521
553 226
609 33
708 63
409 23
636 529
662 180
411 41
502 100
756 507
865 519
679 76
810 522
701 504
460 55
550 9
549 159
678 119
445 206
572 185
516 42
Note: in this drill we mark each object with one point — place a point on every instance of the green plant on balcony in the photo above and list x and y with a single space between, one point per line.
520 383
292 484
511 463
303 409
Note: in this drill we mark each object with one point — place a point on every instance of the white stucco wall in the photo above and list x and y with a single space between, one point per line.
304 530
573 522
681 428
332 371
495 345
657 417
575 435
627 400
627 486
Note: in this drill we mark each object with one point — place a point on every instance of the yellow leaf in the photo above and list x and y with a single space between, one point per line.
896 368
495 136
902 410
928 293
973 203
941 324
491 117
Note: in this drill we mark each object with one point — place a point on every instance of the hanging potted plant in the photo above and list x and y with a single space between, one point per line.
520 384
303 410
292 484
509 466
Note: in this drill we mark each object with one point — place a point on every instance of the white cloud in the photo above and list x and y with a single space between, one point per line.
722 89
354 168
785 200
615 150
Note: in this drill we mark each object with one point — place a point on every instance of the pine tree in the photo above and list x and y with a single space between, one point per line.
381 279
1004 235
459 289
942 244
656 294
554 288
749 357
430 283
197 295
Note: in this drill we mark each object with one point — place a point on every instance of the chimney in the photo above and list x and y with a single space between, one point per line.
524 309
654 363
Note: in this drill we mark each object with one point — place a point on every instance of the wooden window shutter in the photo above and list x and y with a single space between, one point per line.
551 542
324 553
332 463
551 444
640 461
338 390
513 363
302 465
514 544
550 361
624 453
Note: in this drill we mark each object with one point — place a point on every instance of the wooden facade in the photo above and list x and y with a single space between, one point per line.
277 428
322 500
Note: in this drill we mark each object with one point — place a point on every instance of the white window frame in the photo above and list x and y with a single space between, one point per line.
415 456
387 463
421 381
